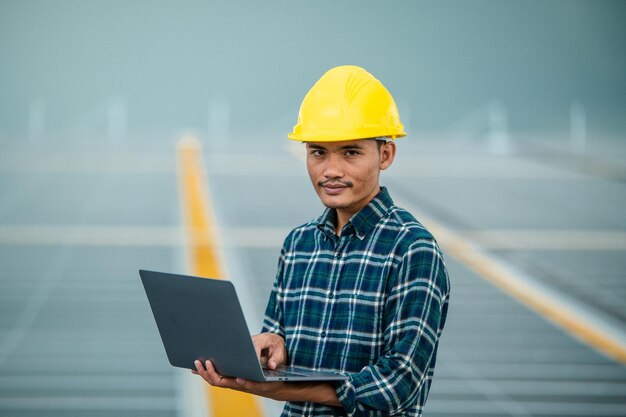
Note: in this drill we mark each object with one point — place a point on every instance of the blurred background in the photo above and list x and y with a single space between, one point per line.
516 114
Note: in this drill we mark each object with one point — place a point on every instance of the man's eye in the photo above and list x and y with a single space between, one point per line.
317 152
352 153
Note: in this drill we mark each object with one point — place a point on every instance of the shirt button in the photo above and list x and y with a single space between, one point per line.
338 254
323 334
331 295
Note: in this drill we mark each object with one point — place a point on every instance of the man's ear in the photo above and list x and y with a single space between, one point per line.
387 154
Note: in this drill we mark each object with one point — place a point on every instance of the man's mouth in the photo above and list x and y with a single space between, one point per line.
334 187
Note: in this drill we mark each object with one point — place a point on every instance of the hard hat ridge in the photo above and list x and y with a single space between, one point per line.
357 80
347 103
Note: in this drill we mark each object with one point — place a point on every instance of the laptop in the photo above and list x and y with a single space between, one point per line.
201 318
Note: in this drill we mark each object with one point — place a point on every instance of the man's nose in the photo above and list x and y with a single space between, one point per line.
333 168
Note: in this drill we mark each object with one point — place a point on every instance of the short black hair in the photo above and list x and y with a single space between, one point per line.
380 141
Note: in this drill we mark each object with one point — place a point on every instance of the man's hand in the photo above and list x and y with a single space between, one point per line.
273 390
270 348
272 352
320 392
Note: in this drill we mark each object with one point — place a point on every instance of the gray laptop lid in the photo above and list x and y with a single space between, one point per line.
201 318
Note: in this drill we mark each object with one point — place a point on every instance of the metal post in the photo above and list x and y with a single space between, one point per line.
218 121
36 121
578 128
117 120
498 134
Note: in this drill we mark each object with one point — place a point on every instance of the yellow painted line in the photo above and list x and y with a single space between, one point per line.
205 261
556 309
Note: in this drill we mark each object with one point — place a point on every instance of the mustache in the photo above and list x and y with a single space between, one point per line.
334 181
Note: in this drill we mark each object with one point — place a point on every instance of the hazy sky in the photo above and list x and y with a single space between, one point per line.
440 59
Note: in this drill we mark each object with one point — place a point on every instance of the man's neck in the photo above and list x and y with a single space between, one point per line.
343 217
345 214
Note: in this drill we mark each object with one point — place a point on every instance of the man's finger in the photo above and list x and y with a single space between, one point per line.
199 367
276 358
213 377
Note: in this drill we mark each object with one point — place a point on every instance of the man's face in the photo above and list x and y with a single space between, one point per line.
346 174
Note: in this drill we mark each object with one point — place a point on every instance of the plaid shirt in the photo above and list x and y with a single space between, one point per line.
370 303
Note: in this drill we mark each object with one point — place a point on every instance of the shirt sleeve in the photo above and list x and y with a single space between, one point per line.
414 315
273 320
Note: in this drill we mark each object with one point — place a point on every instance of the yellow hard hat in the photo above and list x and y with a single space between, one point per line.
347 103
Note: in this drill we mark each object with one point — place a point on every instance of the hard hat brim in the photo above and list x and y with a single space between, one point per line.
343 137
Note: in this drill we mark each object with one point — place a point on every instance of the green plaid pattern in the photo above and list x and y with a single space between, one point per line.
371 303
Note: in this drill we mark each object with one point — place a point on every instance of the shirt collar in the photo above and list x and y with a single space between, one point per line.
363 221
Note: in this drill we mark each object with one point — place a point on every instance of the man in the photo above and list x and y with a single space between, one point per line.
363 289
